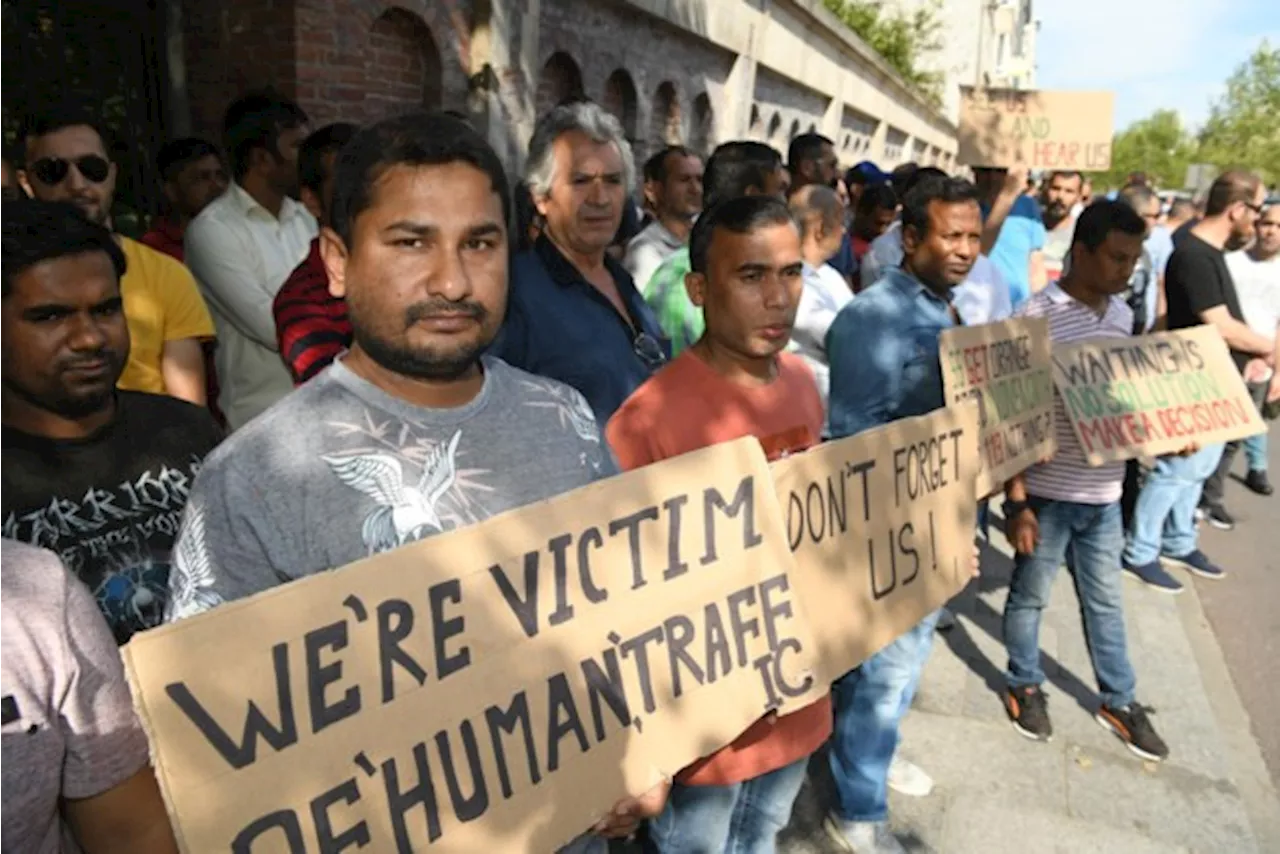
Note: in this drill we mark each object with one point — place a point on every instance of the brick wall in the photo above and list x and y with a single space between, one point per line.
604 37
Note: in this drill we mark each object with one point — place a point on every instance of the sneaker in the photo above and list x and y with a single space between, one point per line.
1199 515
1028 709
1197 562
908 778
946 620
862 837
1134 728
1154 576
1257 481
1217 516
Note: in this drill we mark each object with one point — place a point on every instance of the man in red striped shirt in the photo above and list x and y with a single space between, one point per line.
311 324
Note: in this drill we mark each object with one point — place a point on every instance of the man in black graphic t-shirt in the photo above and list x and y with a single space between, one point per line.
97 475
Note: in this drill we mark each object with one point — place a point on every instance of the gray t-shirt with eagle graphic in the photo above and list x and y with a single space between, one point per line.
340 470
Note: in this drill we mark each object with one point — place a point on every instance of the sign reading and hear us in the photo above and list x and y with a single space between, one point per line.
1040 129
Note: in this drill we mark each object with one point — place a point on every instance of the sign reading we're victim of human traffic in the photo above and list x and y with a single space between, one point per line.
1038 129
1154 394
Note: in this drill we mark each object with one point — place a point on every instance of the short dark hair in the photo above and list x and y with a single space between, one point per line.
1234 185
318 144
1066 173
655 168
877 197
737 167
739 215
805 147
1137 194
254 121
816 199
36 231
930 189
178 153
1182 207
55 118
900 175
416 139
918 175
1103 217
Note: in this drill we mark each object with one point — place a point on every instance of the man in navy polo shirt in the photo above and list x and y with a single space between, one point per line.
573 312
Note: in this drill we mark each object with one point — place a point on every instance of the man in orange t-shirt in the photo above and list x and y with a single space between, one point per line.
735 381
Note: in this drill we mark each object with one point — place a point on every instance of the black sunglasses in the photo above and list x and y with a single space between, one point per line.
649 351
52 171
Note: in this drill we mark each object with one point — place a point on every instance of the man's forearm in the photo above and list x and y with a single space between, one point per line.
1240 337
1016 488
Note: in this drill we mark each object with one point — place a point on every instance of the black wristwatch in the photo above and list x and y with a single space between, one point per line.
1012 508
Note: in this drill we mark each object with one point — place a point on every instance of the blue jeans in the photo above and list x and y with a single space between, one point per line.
1255 452
1164 519
1089 537
870 702
742 818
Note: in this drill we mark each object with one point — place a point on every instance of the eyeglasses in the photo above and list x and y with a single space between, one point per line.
649 351
52 171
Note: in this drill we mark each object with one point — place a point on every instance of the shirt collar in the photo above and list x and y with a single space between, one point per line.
564 273
1056 294
913 287
247 204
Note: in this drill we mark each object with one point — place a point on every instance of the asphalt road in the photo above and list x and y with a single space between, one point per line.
1244 608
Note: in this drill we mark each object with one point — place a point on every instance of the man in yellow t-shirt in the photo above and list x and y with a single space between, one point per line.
66 160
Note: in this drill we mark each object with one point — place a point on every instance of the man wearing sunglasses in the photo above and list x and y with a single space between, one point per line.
66 161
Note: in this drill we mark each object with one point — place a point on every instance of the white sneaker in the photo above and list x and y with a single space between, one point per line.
907 778
862 837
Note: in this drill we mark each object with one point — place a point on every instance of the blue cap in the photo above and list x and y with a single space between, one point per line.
867 173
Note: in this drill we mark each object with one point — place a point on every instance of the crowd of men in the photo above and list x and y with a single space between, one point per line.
338 341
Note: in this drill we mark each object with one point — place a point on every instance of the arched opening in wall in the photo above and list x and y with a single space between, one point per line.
775 128
560 79
404 67
620 99
702 136
665 127
795 130
755 130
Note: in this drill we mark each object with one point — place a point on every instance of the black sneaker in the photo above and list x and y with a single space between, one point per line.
1028 709
1134 728
1258 482
1217 516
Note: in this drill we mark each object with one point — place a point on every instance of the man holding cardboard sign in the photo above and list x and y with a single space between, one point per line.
885 367
735 381
1066 509
1199 290
414 432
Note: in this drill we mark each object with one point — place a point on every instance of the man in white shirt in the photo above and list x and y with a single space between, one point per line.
245 244
1256 273
821 217
673 188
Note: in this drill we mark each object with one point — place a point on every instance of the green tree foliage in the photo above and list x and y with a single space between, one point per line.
1243 128
1157 145
901 38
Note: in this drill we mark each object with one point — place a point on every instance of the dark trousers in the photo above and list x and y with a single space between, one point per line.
1215 486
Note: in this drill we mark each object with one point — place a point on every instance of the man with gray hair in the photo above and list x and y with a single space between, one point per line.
574 313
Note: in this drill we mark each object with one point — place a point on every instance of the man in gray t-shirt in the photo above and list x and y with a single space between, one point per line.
413 432
75 756
340 470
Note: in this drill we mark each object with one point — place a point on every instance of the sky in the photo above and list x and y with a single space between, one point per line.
1153 54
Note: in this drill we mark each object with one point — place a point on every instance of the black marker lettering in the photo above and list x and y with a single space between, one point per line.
525 608
444 628
283 820
717 643
636 647
256 724
679 632
466 808
590 539
356 836
395 623
400 802
743 499
562 719
506 720
675 566
608 685
320 677
631 524
741 627
559 548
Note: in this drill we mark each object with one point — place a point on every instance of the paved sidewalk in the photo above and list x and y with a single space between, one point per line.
1082 792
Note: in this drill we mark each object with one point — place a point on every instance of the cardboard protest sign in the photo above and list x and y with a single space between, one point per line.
1005 367
495 688
1154 394
1040 129
881 526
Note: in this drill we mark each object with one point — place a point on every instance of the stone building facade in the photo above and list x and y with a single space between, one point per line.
692 71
